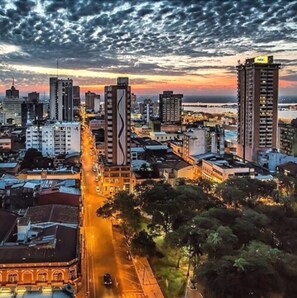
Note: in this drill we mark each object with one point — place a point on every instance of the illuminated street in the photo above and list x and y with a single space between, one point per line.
103 244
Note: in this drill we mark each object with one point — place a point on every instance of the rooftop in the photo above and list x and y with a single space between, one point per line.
229 164
53 213
40 250
7 220
8 165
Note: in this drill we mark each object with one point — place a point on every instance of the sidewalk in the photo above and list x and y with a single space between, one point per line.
148 281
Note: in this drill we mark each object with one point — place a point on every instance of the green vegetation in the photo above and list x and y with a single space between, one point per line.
236 239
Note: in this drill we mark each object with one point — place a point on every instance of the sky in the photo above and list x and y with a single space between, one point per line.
189 46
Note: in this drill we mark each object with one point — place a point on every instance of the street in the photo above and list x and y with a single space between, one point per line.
103 247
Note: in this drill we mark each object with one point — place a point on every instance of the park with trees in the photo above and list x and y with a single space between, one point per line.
234 239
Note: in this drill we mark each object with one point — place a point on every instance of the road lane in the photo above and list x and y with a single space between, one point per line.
104 246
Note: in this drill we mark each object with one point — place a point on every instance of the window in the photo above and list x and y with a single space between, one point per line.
42 276
12 278
57 276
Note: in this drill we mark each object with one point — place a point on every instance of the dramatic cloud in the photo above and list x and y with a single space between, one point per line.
98 40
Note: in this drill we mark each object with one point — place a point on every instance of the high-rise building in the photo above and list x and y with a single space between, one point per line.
61 99
90 99
54 138
257 93
203 140
76 96
288 137
33 97
170 107
12 108
118 122
31 111
146 109
12 92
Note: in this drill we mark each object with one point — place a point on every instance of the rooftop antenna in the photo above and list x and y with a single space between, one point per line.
57 68
12 82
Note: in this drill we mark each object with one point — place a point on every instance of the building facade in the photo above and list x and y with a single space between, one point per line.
288 137
146 109
257 93
90 99
36 257
54 138
12 107
221 170
170 106
115 166
61 99
118 122
202 140
76 96
31 111
12 92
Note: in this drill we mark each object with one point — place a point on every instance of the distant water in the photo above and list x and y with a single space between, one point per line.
216 99
217 108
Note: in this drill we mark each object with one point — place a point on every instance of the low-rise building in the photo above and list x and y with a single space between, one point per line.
163 136
273 158
59 195
113 178
32 248
220 169
9 167
5 143
60 174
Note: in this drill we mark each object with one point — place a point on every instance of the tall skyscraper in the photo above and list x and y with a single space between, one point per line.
90 99
61 99
33 97
31 111
170 107
118 122
257 93
146 108
76 96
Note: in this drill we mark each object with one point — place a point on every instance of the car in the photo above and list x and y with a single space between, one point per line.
97 188
107 279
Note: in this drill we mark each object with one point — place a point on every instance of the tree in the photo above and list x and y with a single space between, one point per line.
247 191
247 274
122 206
220 242
29 159
160 204
286 184
230 195
142 244
145 186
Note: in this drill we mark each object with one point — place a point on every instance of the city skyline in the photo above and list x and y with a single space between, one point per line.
191 48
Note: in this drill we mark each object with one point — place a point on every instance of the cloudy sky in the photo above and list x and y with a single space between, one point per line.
189 46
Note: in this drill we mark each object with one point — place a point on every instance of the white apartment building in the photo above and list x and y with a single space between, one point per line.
202 140
54 138
221 170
